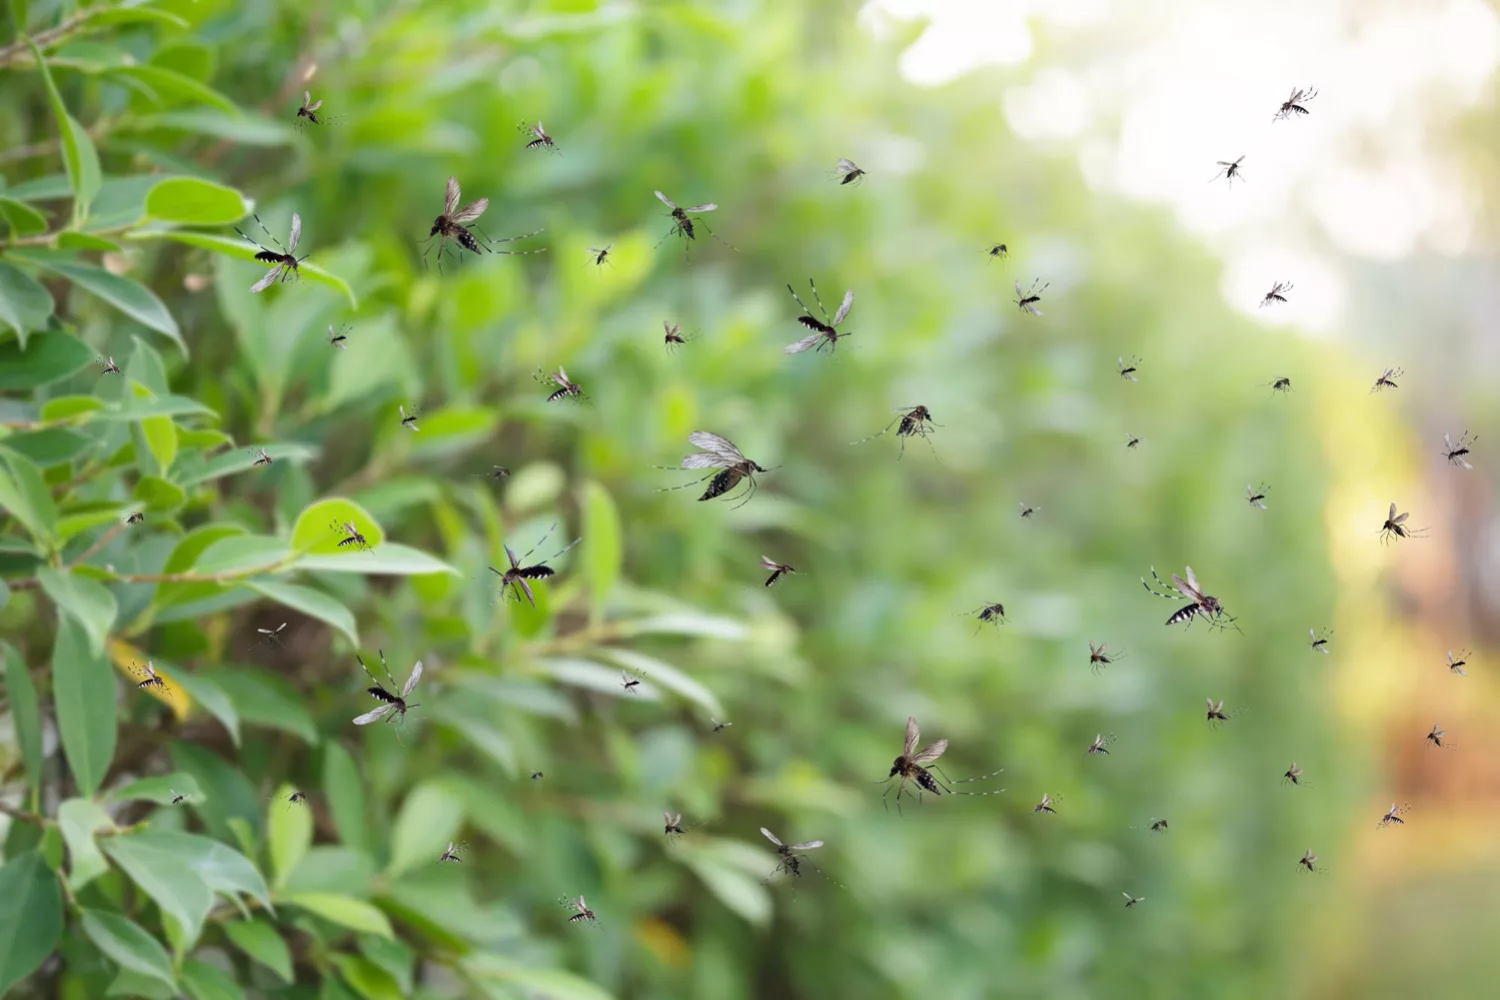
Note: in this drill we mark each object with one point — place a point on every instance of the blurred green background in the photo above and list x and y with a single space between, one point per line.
748 104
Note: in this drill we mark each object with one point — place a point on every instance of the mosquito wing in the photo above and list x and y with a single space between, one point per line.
910 747
1392 515
296 236
1193 581
374 715
702 208
930 753
1402 518
807 846
848 304
709 441
471 211
411 682
769 563
314 107
804 344
268 280
668 202
1019 294
705 460
1032 309
769 835
846 166
450 200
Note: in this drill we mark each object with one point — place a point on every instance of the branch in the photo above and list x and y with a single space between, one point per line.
49 240
228 576
20 52
22 815
104 540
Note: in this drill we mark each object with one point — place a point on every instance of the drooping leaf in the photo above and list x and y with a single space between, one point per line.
168 87
31 916
21 217
87 601
165 877
45 358
310 602
79 819
346 911
262 942
83 694
243 251
131 298
243 460
128 945
24 304
192 201
25 709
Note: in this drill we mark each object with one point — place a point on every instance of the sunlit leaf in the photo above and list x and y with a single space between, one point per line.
161 790
80 158
289 835
603 544
193 201
316 530
344 910
24 494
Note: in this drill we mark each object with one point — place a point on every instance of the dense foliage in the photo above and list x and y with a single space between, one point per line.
134 135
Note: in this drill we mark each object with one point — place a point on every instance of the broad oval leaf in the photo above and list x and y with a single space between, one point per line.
26 709
24 304
46 358
128 945
131 298
194 201
317 530
390 559
344 790
83 695
25 496
31 916
22 218
262 942
78 819
313 603
290 833
161 790
428 820
263 700
347 911
164 876
208 982
241 250
89 603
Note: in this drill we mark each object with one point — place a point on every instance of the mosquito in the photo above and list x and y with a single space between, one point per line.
135 518
1158 825
108 365
825 332
536 775
297 798
1099 658
261 458
584 913
1276 294
912 766
455 223
914 421
791 861
1309 861
394 706
849 171
1101 744
673 338
719 726
629 682
565 387
408 420
1457 455
1387 379
673 825
1436 737
778 570
149 676
1293 774
1131 440
988 614
542 140
1230 171
338 338
496 473
272 636
600 255
1293 104
1204 606
1045 806
287 263
719 453
1128 370
1395 527
1456 666
998 250
1319 640
453 853
1256 496
308 113
177 797
1394 814
1281 384
1216 711
1027 509
352 535
1027 300
516 579
684 226
1132 900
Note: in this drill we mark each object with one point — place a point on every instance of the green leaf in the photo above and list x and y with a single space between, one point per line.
80 158
244 553
246 130
136 407
392 955
345 791
208 696
656 673
26 711
90 604
83 696
46 358
521 979
24 304
50 446
244 251
603 548
316 530
313 603
31 917
243 460
290 835
161 790
64 407
389 559
24 495
71 240
740 892
163 876
131 298
694 623
135 986
429 819
206 982
166 86
22 218
128 945
192 201
263 701
452 430
261 941
343 910
368 979
78 819
158 495
134 15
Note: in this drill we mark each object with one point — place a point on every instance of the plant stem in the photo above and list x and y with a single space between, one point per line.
20 52
228 576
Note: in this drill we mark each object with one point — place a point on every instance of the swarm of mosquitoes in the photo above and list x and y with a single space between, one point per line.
455 231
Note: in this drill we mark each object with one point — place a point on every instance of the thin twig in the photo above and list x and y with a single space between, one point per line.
22 815
104 540
20 52
228 576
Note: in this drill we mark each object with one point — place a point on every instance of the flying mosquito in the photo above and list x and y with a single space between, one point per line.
1204 606
1319 640
542 140
673 338
149 676
719 453
1456 666
1309 861
914 421
394 706
455 223
1027 300
1436 737
1230 171
1158 825
135 518
988 614
537 776
1132 440
308 113
719 726
271 636
1045 806
1293 104
825 332
1458 455
565 387
1281 384
408 420
1128 370
1293 775
778 570
1277 293
1027 509
338 337
108 365
1216 711
629 682
352 535
999 250
516 580
1101 744
1394 814
584 913
673 825
791 860
1132 900
261 458
453 853
177 797
600 255
684 226
297 798
1256 496
1387 379
1099 658
1395 527
496 473
849 171
912 766
287 263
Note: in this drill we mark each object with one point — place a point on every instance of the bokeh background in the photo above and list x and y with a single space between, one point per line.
1083 135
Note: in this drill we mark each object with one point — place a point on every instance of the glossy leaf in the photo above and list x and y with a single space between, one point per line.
31 916
206 695
88 602
83 694
79 156
79 819
390 559
164 876
243 251
25 496
21 217
289 835
314 532
192 201
429 818
128 945
161 790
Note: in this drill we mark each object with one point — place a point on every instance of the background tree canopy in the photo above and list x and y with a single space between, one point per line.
135 134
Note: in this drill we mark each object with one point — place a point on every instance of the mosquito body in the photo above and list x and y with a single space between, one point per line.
1230 172
297 798
913 421
1394 814
1280 384
1026 301
177 797
998 250
1456 666
148 677
307 114
1293 105
913 766
778 570
108 365
455 223
791 860
672 825
682 224
1437 736
720 453
516 579
352 535
1256 496
271 636
541 139
1458 455
1132 900
1132 440
600 255
848 171
536 775
1158 825
989 614
1387 379
408 420
1309 862
1203 605
673 338
1101 744
1319 640
1099 658
1395 527
629 682
338 338
454 853
496 473
1128 368
825 332
1293 775
584 913
287 263
566 388
393 706
1216 711
1027 509
136 518
719 726
261 458
1047 803
1276 294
